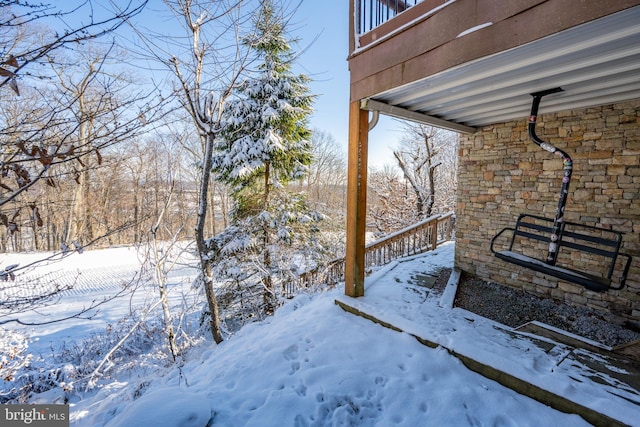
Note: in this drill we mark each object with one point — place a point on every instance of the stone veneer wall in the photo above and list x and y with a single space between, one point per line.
502 174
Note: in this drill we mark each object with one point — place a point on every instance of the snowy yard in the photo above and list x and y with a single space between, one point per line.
94 276
311 364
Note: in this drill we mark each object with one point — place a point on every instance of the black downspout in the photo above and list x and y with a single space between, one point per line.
566 179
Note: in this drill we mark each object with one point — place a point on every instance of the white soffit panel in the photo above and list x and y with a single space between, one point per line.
595 63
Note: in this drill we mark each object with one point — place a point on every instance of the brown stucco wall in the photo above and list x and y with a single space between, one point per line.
502 174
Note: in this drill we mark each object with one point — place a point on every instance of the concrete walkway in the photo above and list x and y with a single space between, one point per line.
570 375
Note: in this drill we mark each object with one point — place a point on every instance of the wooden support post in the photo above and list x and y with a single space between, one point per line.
356 200
447 233
434 235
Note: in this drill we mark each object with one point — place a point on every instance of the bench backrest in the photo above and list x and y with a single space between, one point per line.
581 247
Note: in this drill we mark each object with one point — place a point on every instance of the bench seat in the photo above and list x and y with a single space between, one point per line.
575 240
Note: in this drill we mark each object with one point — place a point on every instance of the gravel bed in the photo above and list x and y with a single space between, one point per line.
514 308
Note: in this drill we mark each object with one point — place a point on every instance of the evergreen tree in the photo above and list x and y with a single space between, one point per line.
265 136
264 145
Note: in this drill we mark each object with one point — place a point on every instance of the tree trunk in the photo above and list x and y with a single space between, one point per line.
166 313
75 214
87 219
432 188
205 263
267 281
420 205
212 212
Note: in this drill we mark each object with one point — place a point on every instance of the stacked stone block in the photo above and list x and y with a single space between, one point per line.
502 174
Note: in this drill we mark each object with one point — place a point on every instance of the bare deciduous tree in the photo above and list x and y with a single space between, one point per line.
159 260
206 65
327 177
390 201
54 125
423 184
48 133
420 155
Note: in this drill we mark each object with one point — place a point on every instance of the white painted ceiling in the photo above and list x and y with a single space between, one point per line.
595 63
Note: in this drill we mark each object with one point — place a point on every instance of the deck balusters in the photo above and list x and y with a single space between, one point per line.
372 13
418 238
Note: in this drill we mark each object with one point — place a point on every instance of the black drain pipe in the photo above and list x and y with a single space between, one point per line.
556 231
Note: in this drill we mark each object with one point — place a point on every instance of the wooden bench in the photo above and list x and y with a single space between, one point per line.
596 248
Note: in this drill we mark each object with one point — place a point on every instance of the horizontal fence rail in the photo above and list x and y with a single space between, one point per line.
421 237
372 13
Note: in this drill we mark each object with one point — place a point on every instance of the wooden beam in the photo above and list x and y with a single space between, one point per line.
403 113
356 200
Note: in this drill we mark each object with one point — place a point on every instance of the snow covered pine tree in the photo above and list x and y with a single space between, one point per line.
263 146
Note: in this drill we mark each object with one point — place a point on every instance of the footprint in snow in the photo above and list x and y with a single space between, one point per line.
381 381
295 367
291 353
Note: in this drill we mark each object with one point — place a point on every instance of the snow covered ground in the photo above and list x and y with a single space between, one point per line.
94 276
311 364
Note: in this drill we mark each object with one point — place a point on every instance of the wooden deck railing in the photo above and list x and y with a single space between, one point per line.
372 13
421 237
